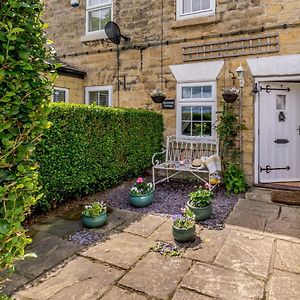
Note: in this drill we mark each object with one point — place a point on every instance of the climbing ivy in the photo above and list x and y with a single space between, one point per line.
24 93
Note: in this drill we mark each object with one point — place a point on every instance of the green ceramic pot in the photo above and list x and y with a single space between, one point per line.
201 213
142 201
183 234
90 222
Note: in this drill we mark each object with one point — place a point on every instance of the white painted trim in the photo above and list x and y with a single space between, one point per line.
204 13
66 90
197 72
108 88
100 34
274 66
196 102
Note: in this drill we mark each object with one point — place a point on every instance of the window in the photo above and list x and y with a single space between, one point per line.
60 94
194 8
98 13
99 95
196 110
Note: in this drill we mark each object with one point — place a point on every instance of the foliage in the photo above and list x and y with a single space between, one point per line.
234 179
156 93
24 93
201 197
167 249
228 130
141 187
94 209
89 148
185 220
231 91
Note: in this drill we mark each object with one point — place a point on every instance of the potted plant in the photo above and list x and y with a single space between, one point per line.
158 96
183 228
200 202
230 95
142 193
94 214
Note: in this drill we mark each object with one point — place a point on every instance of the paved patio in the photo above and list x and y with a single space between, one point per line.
257 256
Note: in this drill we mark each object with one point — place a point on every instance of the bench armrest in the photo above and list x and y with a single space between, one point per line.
157 162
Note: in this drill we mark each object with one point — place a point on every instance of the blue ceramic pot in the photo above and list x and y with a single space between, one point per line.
201 213
90 222
142 201
183 234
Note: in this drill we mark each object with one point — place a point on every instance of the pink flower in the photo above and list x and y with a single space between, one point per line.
207 185
140 180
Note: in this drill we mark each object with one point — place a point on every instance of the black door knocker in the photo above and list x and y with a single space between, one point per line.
281 117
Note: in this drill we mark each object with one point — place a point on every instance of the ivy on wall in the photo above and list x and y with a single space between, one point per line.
24 90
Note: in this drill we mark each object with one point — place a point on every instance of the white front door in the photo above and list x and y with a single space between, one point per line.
279 132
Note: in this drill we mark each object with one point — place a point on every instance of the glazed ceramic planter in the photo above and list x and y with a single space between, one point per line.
90 222
183 234
143 200
201 213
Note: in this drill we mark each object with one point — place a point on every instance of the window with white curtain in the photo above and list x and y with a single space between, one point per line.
98 13
60 94
196 110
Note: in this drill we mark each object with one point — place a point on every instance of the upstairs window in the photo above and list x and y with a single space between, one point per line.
98 13
194 8
60 94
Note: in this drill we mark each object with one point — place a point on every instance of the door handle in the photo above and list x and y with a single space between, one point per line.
298 129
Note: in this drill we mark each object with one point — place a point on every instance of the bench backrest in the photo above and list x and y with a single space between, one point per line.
189 148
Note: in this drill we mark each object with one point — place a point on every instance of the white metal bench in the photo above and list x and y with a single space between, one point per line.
179 155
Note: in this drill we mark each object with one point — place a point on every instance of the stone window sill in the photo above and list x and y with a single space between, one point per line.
196 21
95 36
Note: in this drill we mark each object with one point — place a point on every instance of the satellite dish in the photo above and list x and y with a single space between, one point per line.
114 34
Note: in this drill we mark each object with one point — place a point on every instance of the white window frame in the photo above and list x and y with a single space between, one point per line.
66 90
207 12
107 4
108 88
196 102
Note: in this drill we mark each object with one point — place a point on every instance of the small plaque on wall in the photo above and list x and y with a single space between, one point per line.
168 104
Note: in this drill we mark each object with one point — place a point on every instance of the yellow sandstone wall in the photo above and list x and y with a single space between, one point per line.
141 20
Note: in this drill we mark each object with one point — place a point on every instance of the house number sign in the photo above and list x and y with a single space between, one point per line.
168 104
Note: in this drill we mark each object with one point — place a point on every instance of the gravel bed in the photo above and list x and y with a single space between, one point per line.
173 195
85 237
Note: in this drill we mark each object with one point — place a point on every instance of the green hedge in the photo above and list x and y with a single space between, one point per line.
89 148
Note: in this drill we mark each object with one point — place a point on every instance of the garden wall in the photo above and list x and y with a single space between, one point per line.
89 148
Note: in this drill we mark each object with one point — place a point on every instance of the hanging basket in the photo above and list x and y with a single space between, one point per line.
158 99
230 98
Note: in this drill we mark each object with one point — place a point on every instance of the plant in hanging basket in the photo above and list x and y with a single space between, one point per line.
158 96
230 94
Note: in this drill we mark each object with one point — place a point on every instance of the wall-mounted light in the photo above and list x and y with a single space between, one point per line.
74 3
240 75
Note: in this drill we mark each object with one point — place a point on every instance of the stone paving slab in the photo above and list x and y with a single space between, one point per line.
287 256
291 214
182 294
146 225
283 230
212 241
156 275
263 195
246 253
284 286
117 293
121 250
80 279
50 252
13 283
222 283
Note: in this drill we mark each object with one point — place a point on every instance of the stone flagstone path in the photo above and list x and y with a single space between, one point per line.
252 258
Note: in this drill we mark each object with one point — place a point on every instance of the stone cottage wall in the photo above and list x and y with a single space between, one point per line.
140 58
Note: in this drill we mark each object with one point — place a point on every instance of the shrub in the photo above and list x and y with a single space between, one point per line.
89 148
24 90
234 179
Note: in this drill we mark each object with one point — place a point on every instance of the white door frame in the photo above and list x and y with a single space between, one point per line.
258 81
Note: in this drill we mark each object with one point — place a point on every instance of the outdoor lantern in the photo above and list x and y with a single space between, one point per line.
240 74
74 3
